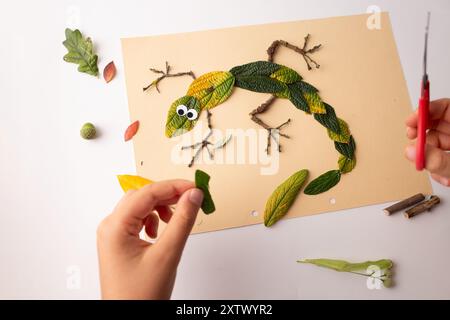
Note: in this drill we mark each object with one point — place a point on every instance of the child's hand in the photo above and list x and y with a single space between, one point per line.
437 161
131 268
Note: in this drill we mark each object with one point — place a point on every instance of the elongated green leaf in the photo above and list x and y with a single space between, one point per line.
323 183
344 266
202 182
283 197
80 52
258 68
346 164
258 83
212 89
328 119
176 124
346 149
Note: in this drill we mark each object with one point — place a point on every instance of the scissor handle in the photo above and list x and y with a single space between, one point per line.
424 104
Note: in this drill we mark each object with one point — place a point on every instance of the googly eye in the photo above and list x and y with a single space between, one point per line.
181 110
192 114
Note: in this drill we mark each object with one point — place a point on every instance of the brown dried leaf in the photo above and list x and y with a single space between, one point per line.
131 130
109 72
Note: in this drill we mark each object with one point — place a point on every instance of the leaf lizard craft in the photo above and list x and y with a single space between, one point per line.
214 88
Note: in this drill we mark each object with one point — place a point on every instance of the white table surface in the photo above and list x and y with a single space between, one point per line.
56 187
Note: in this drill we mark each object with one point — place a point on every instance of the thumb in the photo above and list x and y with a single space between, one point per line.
180 225
437 161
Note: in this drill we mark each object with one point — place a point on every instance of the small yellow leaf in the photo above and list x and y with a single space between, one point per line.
129 182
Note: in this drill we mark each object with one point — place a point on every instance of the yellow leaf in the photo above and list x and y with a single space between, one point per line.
129 182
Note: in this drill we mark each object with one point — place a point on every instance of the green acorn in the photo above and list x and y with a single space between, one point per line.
88 131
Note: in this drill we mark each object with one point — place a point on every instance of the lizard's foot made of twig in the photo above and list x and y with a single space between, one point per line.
275 134
166 74
304 51
210 147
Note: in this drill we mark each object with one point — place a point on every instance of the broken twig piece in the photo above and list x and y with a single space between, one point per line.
404 204
422 207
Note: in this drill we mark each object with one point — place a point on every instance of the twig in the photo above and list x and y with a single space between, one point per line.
261 109
404 204
166 74
422 207
303 51
202 144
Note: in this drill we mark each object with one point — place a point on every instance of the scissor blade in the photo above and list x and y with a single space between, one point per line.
427 28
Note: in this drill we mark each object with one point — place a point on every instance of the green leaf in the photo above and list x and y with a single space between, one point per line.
257 83
258 68
346 149
328 119
311 95
344 134
176 124
212 89
297 98
80 52
202 182
344 266
286 75
256 76
323 183
346 164
283 197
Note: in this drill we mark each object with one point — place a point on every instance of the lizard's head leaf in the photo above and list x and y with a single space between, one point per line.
182 116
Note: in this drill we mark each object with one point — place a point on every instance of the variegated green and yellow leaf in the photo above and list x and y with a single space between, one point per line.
343 136
175 124
286 75
346 164
212 89
311 95
283 197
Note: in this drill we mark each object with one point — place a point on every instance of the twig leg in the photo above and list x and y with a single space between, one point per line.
270 130
304 51
166 74
199 146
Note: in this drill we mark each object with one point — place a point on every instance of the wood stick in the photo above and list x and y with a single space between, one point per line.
404 204
422 207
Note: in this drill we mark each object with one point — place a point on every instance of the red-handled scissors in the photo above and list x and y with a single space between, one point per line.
424 104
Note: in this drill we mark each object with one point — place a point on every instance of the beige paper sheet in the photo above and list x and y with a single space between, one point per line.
360 76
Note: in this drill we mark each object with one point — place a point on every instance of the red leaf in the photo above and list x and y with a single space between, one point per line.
131 130
109 72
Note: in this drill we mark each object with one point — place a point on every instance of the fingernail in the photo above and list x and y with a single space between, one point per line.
445 181
411 152
196 197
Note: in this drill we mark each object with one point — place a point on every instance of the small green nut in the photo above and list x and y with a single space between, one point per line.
88 131
388 282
